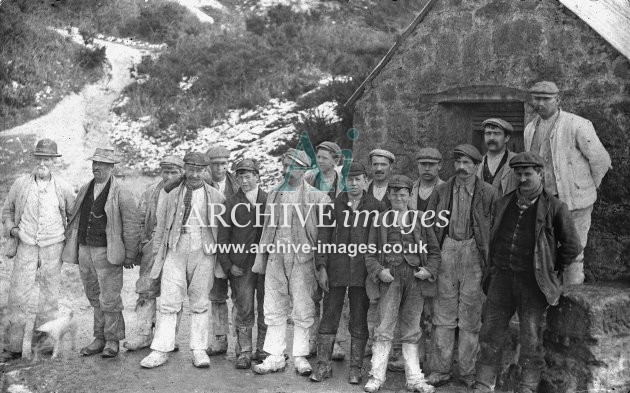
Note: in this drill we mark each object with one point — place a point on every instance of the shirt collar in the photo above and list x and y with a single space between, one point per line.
470 185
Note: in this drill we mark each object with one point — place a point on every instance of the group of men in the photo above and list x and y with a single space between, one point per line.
515 229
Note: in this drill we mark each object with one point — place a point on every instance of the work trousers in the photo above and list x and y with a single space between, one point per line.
147 287
248 290
218 298
333 307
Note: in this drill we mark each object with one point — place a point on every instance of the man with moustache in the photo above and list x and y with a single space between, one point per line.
464 243
34 219
404 279
227 184
339 273
186 231
575 162
289 273
102 236
239 228
493 169
533 239
151 201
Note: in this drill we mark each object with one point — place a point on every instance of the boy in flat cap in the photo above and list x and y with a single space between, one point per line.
494 168
464 244
240 229
186 231
224 181
34 218
405 277
533 239
148 289
340 272
289 272
429 161
575 162
103 234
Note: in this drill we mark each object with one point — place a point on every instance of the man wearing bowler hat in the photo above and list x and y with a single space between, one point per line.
148 289
102 236
575 162
494 168
185 258
533 239
34 219
464 243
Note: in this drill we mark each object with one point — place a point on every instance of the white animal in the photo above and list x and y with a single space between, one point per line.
55 331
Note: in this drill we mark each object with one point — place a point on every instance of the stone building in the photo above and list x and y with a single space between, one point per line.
467 60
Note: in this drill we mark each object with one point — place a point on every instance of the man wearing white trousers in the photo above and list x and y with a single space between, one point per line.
290 273
186 231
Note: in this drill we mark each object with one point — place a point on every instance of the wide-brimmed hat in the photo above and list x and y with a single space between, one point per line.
46 148
104 155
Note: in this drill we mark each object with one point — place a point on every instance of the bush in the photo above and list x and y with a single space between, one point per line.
91 57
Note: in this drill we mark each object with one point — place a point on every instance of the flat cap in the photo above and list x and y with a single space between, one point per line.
330 146
217 152
299 157
544 89
172 160
195 158
502 124
468 151
247 164
382 153
356 168
527 159
400 181
429 154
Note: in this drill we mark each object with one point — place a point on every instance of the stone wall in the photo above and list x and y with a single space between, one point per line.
503 47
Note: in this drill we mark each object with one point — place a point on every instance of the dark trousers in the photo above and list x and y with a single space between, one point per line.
244 289
511 292
333 306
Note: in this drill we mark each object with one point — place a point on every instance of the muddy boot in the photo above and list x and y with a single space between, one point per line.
396 362
380 355
218 346
94 347
244 342
338 353
357 348
145 311
325 343
260 353
110 350
530 378
485 378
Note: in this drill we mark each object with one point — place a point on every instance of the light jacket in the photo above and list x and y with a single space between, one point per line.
122 229
170 222
580 161
556 243
413 200
504 179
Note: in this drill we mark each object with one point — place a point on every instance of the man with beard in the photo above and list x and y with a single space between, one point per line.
289 272
185 234
575 162
239 228
34 218
405 277
340 272
226 183
148 289
464 243
533 239
102 237
493 169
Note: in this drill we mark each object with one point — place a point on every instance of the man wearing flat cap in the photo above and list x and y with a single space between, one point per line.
34 219
289 272
494 168
183 243
533 239
575 162
429 161
464 244
238 227
341 272
148 289
404 263
226 183
102 236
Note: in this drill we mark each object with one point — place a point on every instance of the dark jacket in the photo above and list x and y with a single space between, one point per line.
231 185
342 270
481 211
557 243
375 261
236 235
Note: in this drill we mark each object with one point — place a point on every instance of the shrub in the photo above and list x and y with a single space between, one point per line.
91 57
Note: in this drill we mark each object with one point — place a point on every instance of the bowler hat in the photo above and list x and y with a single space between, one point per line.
195 158
502 124
527 159
46 148
469 151
247 164
400 181
544 89
104 155
429 154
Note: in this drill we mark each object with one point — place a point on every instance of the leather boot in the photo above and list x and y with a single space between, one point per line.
530 378
485 378
325 343
244 342
145 312
110 350
357 349
380 355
